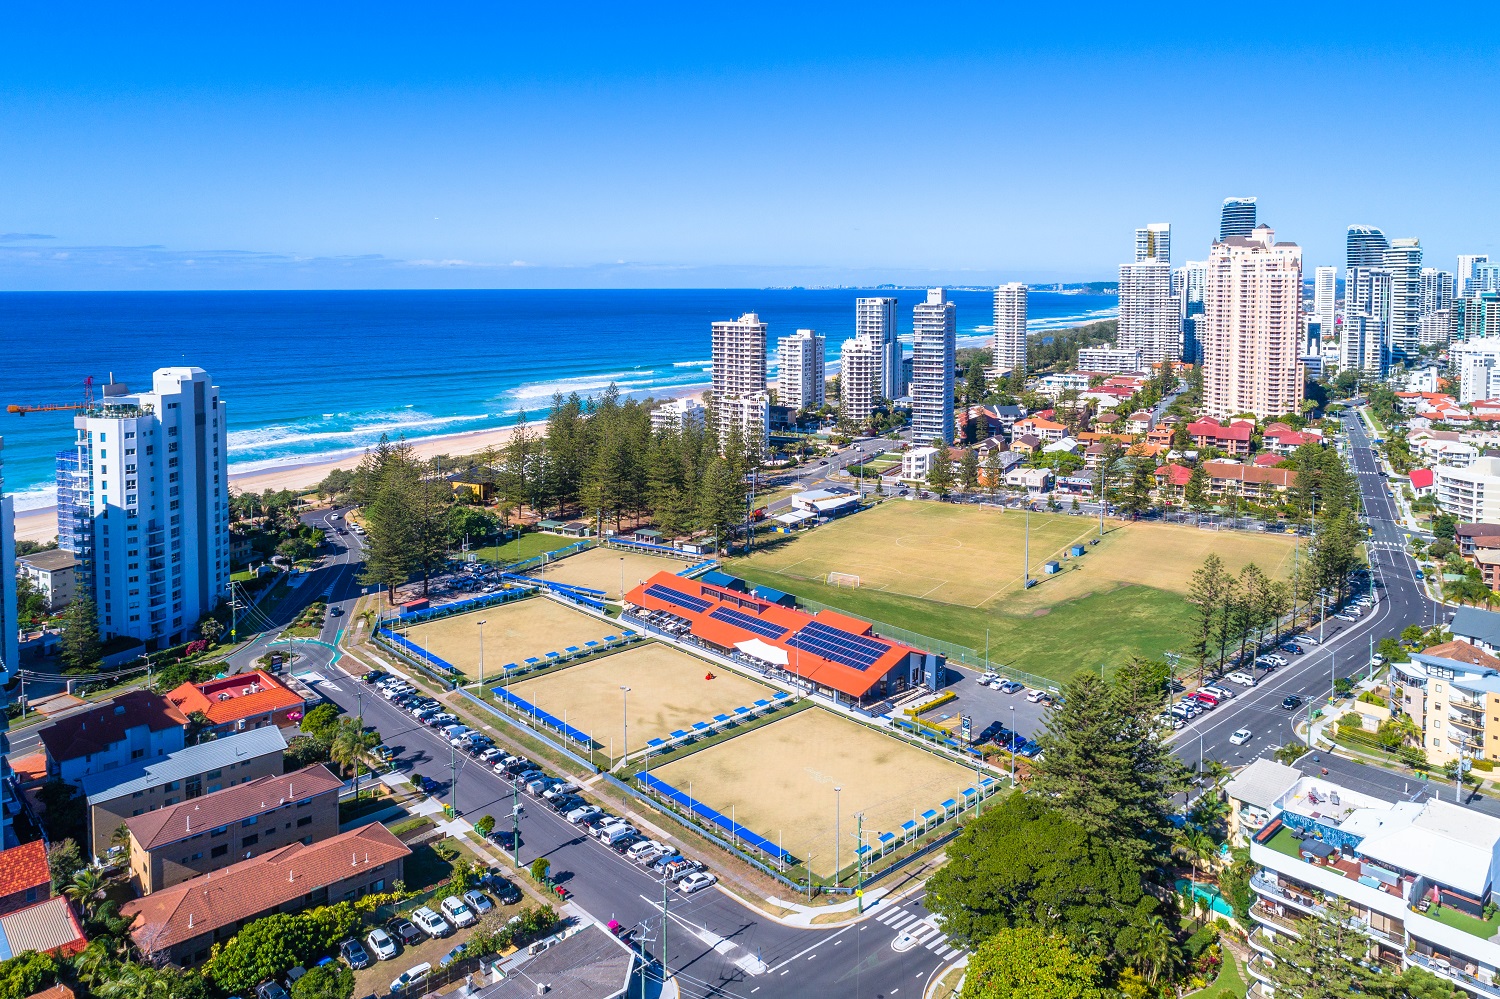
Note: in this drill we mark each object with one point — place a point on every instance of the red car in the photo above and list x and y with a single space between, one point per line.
1205 697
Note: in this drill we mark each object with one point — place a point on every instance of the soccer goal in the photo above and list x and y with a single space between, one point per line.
843 579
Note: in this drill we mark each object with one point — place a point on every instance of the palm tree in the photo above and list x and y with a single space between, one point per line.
350 744
1155 950
120 837
84 890
92 964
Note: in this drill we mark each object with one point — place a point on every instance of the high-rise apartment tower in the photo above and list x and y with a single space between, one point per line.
799 370
875 319
1009 345
1154 242
934 344
1237 217
1252 327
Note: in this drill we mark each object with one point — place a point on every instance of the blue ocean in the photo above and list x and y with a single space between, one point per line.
313 374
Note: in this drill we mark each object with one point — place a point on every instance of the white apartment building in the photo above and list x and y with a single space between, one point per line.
1404 261
152 501
799 370
1364 344
1325 299
1154 242
861 377
51 575
875 320
1009 344
1110 360
1252 326
739 377
1150 318
10 653
934 345
1478 364
1471 494
1187 289
1397 865
679 414
916 463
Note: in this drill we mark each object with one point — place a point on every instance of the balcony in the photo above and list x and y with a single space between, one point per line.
1444 968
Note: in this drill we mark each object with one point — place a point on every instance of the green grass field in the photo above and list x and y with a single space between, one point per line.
525 546
955 573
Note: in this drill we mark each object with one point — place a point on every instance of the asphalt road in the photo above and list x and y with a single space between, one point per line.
1345 649
717 945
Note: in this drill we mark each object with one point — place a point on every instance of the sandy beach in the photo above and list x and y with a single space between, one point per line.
41 524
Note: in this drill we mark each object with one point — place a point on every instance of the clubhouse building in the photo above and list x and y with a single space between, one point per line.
828 653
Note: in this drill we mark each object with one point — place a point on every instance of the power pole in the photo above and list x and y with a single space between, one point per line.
515 822
453 785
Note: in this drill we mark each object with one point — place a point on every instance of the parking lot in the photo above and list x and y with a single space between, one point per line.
984 706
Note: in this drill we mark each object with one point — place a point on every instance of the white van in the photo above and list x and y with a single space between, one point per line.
1241 677
645 851
1223 693
613 835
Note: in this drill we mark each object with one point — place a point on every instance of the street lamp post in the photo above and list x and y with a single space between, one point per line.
622 579
481 652
837 797
1012 745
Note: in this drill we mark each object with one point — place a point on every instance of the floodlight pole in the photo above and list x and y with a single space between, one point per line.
481 652
625 716
1026 551
837 796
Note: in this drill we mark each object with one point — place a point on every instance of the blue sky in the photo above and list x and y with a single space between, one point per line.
551 145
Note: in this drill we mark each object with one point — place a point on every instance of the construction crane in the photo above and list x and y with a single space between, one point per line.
57 407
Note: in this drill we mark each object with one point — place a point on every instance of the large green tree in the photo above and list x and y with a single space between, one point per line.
1031 963
1104 764
80 635
1024 864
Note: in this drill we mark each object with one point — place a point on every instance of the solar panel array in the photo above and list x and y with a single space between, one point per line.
838 645
665 593
749 622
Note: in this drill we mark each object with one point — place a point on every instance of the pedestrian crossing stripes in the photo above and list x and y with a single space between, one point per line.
921 931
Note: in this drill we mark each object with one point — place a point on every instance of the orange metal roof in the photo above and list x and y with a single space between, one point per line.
808 665
226 700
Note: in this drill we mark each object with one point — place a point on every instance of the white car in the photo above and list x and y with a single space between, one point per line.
696 881
381 944
987 677
411 977
430 922
1241 736
458 910
1273 657
1241 677
1036 695
1346 617
1222 693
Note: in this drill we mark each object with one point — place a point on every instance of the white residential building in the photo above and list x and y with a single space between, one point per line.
1325 299
1187 290
861 368
1150 318
934 345
1405 869
1404 261
1478 364
875 319
10 653
1252 326
1009 344
799 371
739 376
1364 344
1110 360
1464 283
917 462
679 414
1471 494
149 506
1154 242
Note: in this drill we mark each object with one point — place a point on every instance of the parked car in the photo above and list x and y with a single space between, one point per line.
1240 737
1291 649
696 881
507 893
613 834
1039 697
478 901
354 952
566 787
430 922
381 944
412 977
458 912
406 931
1011 687
1205 698
1240 677
454 955
645 851
583 814
270 990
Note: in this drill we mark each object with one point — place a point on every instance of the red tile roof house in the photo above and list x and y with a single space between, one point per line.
1269 459
1233 439
1172 480
242 701
181 924
1285 440
1421 481
1469 534
134 726
25 878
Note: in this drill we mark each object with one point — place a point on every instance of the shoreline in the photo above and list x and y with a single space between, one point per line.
40 523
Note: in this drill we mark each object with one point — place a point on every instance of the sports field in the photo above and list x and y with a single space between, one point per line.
602 569
955 572
524 547
512 632
778 781
668 691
